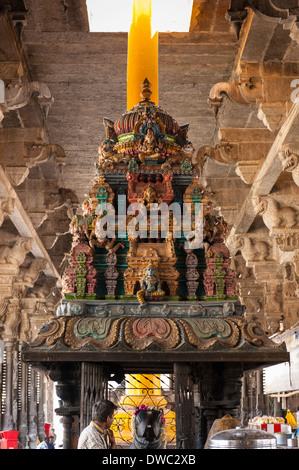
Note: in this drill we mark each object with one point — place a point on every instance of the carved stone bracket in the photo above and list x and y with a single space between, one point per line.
18 95
285 12
274 306
45 198
222 153
266 87
37 153
247 170
242 91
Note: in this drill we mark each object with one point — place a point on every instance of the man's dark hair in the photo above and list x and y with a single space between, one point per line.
102 409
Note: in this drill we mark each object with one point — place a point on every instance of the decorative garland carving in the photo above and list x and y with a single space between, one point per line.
140 333
76 333
100 332
50 332
203 333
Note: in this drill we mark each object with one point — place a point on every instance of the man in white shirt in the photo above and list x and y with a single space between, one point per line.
44 444
98 435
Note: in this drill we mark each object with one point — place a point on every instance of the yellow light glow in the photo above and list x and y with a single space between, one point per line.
116 15
142 54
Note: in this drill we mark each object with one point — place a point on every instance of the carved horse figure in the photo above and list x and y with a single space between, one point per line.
147 426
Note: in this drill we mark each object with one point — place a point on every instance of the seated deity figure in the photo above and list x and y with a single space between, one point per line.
150 284
149 147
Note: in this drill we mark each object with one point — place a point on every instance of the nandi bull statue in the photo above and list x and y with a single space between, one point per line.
147 424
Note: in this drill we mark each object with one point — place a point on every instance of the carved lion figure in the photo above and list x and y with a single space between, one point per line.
290 162
17 253
273 215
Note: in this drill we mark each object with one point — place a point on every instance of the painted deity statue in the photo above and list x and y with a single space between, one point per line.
149 147
150 284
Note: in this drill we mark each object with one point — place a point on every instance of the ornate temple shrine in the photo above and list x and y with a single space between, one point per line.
139 297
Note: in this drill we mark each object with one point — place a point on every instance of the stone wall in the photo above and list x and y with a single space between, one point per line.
245 139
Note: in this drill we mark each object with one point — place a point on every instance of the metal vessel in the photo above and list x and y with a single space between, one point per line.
292 442
242 438
282 438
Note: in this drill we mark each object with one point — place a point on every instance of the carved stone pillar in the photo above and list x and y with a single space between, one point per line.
68 378
220 393
208 410
23 423
260 397
32 418
94 387
254 403
244 401
40 406
67 422
184 406
8 415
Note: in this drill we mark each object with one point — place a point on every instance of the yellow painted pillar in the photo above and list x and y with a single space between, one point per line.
142 54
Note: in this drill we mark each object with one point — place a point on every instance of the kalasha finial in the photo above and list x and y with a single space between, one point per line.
146 90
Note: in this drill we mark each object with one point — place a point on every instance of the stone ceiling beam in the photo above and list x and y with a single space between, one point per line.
265 178
23 224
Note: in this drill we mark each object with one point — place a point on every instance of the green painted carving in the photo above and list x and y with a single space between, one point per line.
98 328
102 194
186 165
206 328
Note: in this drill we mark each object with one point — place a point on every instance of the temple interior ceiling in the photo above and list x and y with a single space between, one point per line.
86 73
68 294
232 77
